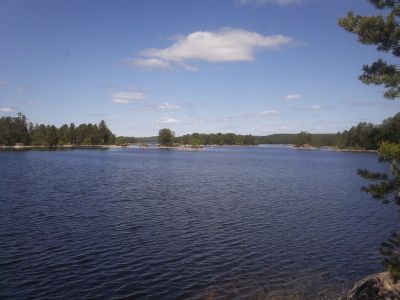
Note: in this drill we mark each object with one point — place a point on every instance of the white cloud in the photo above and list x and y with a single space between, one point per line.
151 63
315 107
168 106
263 2
292 97
131 95
269 112
225 45
120 100
188 67
6 109
168 121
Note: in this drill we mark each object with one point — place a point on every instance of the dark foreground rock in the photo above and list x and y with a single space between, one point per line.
375 287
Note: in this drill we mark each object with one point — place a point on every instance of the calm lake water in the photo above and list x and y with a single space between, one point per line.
224 223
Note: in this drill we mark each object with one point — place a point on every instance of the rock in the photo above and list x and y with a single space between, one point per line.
375 287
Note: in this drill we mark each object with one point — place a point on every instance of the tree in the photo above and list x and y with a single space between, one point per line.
21 130
52 136
39 135
384 32
72 134
387 190
105 133
165 137
7 131
63 134
16 130
303 138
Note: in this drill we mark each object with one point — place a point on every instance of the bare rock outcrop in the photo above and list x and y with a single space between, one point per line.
375 287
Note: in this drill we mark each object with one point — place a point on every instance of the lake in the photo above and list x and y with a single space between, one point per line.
223 223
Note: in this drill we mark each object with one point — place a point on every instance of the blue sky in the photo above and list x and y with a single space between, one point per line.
244 66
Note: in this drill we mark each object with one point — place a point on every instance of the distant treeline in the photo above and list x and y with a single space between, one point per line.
16 130
249 140
216 139
314 139
369 136
362 136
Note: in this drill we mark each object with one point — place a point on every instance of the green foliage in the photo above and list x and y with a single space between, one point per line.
166 137
197 139
390 151
381 73
369 136
387 189
391 252
105 135
16 130
123 140
317 139
384 32
63 135
303 138
51 136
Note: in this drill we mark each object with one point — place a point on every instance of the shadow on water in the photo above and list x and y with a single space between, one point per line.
247 289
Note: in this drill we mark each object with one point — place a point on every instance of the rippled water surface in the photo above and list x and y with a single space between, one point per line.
224 223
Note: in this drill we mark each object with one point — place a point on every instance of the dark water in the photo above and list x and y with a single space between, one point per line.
251 223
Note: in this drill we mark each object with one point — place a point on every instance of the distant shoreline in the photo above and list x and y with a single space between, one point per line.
308 147
58 147
354 150
178 147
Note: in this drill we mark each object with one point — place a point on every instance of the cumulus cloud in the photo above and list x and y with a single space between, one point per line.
225 45
264 2
129 96
292 97
151 63
168 121
6 109
168 106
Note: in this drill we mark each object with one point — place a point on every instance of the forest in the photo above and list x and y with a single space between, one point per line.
16 130
363 136
216 139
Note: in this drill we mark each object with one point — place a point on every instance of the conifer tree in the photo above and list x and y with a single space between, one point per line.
383 31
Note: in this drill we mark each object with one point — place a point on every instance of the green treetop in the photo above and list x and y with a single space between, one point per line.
382 30
165 137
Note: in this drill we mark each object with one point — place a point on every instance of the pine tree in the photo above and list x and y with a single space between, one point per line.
165 137
382 30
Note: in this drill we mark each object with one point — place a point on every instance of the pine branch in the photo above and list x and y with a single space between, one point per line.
364 173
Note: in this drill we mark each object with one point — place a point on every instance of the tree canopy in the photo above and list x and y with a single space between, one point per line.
383 31
166 137
15 130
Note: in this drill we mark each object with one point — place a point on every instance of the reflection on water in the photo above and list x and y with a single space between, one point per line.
255 222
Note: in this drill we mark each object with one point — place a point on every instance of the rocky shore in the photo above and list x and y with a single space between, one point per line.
182 147
378 286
